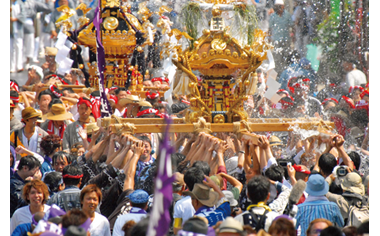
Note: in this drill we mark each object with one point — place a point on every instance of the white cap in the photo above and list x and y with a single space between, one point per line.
279 2
38 70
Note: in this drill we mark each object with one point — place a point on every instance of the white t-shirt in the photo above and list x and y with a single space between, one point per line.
100 226
23 215
355 78
184 209
119 113
122 219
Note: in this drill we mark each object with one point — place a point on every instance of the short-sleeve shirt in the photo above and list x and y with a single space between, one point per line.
184 209
100 226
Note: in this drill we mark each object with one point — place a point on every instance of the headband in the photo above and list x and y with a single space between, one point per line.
53 89
299 169
14 85
67 176
147 111
156 79
356 87
152 95
85 101
348 101
283 91
113 98
330 99
15 99
365 92
60 79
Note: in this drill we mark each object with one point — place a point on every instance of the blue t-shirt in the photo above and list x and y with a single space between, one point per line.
214 215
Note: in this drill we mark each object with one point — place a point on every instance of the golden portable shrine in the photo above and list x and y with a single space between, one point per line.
217 98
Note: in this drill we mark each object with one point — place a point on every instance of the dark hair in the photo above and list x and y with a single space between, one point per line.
60 155
95 93
326 163
141 228
355 157
282 225
54 101
318 220
30 161
45 92
349 231
52 180
258 189
14 94
204 166
118 90
128 226
192 176
69 90
275 173
14 81
177 107
331 231
359 117
140 205
74 217
72 170
145 139
37 184
363 228
177 158
89 189
50 143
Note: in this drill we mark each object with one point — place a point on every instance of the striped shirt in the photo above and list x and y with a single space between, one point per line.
322 208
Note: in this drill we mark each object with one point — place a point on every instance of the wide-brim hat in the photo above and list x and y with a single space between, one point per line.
203 194
49 51
275 141
352 182
145 104
91 126
58 112
29 113
317 185
129 99
230 225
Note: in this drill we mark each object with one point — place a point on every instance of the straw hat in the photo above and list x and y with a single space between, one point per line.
275 141
49 51
91 126
129 99
143 103
29 113
58 112
203 194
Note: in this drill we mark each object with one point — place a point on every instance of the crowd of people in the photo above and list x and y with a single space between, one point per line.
68 176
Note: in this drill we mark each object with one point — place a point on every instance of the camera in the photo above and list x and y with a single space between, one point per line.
341 171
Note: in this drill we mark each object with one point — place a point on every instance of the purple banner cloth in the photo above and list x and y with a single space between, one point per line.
105 108
159 223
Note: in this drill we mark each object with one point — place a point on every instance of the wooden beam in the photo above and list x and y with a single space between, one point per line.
227 127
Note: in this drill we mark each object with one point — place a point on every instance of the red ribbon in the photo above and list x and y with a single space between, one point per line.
72 176
14 85
148 111
15 99
82 100
60 79
330 99
50 129
299 169
52 89
348 101
356 87
152 95
365 92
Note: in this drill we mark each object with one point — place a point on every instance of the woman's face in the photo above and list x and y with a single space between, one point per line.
36 197
80 151
90 202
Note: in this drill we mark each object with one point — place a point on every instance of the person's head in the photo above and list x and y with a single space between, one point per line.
77 149
28 166
35 192
316 185
282 226
178 183
90 197
84 109
54 181
72 175
121 93
60 160
275 173
63 2
258 189
230 227
302 172
54 101
14 96
67 91
348 63
50 144
278 7
349 231
35 73
355 157
30 117
74 217
353 183
147 144
326 163
14 85
202 195
316 226
44 98
195 225
331 231
204 166
139 198
363 229
141 228
192 176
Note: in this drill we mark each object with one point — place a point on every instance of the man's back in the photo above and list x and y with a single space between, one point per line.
184 209
320 208
259 211
67 199
355 78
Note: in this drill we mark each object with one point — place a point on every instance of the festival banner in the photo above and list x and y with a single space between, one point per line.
105 107
159 223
